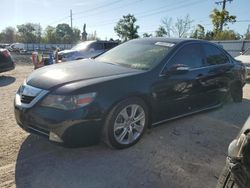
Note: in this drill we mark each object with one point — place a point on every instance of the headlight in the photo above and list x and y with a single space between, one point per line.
68 102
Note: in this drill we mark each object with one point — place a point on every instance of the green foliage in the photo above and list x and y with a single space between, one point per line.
146 35
50 35
199 32
28 33
220 19
126 28
161 32
247 35
8 35
226 35
62 33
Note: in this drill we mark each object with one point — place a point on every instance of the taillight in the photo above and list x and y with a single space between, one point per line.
6 53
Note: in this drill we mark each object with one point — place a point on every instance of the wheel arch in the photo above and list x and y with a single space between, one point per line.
142 97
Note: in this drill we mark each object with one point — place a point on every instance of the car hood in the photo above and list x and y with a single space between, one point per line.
65 73
243 58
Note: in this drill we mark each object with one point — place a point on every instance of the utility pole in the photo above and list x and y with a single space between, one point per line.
71 19
223 9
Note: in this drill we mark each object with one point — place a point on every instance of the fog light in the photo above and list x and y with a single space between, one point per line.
54 137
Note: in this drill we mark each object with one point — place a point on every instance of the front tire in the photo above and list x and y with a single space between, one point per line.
125 123
236 92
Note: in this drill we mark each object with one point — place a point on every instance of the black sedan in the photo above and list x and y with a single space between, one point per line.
136 85
6 61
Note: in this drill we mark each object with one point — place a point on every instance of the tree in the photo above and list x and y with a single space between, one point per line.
76 35
146 35
161 32
247 35
167 22
221 18
126 28
8 35
199 32
92 36
29 32
209 35
180 28
226 35
50 35
64 33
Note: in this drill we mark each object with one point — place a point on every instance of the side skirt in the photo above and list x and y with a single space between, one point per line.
187 114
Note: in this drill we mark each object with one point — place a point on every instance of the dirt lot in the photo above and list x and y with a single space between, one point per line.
189 152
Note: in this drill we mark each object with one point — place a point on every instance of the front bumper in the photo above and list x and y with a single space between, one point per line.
70 127
82 125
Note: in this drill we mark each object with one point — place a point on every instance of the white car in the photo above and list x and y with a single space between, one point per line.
87 49
245 58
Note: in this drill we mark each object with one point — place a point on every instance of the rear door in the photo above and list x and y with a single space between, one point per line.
219 73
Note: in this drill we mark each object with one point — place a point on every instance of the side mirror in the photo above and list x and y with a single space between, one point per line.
179 69
241 53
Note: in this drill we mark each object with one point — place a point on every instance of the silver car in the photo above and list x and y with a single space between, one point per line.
87 49
245 58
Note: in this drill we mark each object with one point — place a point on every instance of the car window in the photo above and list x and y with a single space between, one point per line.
214 56
137 55
97 46
191 55
109 45
82 45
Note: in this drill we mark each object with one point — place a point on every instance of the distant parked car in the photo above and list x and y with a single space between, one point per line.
87 49
16 47
245 58
6 61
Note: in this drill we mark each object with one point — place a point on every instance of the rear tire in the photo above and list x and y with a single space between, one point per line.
125 123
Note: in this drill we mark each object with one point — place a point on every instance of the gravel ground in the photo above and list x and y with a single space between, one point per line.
189 152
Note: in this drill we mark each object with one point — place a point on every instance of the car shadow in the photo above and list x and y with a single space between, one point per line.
6 80
44 164
188 151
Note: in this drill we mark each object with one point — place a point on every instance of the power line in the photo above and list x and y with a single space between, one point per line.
59 20
171 9
102 6
142 16
116 8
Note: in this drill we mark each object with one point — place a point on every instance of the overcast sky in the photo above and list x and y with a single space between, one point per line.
101 15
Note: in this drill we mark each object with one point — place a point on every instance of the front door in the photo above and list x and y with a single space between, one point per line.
176 93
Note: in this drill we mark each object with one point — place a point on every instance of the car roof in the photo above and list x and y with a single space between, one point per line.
164 39
101 41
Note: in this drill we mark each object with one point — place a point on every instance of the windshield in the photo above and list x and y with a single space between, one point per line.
137 54
247 52
82 45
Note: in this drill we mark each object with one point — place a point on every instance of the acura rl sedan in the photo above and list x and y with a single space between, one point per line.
136 85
